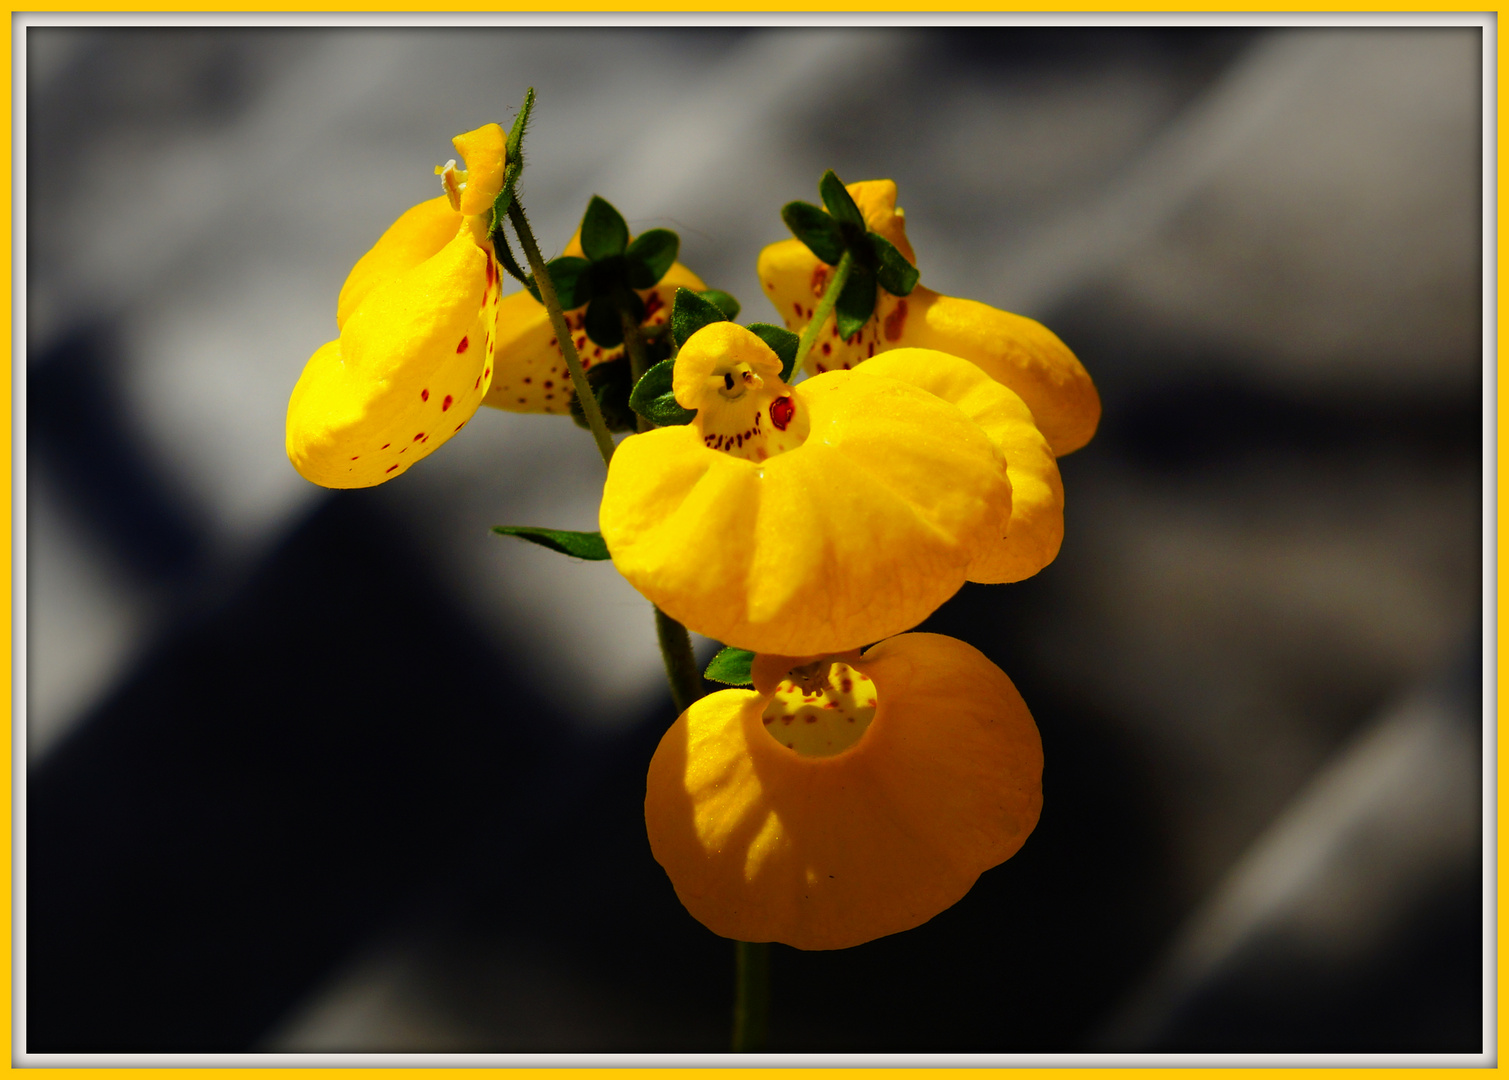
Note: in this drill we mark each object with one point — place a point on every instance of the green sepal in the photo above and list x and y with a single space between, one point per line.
781 341
513 146
650 256
513 161
722 301
508 262
610 386
653 399
896 276
816 229
602 323
732 667
579 545
604 230
856 303
690 313
569 276
839 202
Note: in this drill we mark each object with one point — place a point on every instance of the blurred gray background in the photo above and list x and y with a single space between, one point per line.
315 771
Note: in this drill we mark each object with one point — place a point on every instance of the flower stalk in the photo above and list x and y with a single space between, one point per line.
751 996
680 662
835 287
590 409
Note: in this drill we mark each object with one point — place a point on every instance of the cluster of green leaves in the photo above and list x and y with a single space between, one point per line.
652 397
840 229
605 281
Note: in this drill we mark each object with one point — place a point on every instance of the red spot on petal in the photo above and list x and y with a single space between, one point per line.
895 322
487 373
462 347
390 468
549 385
781 412
477 383
419 436
827 348
385 445
446 404
424 395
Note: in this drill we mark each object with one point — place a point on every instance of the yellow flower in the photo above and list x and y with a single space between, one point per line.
1016 351
532 374
844 797
416 319
804 519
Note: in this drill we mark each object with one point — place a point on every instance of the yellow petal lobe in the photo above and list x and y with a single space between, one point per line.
483 152
824 850
1031 537
416 236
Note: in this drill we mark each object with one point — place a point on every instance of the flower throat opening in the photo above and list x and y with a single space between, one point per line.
821 709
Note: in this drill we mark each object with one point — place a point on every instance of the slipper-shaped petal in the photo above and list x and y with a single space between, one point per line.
416 319
410 368
844 798
1018 352
1036 529
801 519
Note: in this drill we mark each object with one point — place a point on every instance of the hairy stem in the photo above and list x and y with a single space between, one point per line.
824 308
590 408
680 664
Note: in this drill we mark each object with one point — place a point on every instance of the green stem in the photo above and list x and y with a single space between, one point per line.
680 663
639 363
836 285
751 995
590 409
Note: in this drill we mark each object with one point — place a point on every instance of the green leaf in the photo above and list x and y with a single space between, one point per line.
839 202
604 230
603 325
650 256
652 397
817 230
690 313
722 301
856 303
569 276
579 545
781 341
731 666
897 276
610 385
